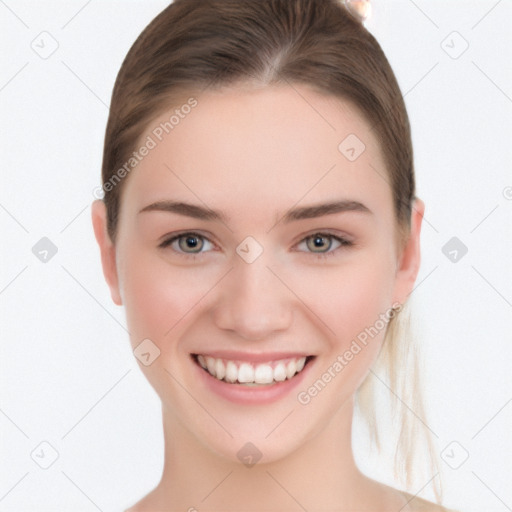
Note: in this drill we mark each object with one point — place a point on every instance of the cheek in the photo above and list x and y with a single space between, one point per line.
352 303
349 297
158 296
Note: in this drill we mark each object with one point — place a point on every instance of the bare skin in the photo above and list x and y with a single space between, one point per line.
254 153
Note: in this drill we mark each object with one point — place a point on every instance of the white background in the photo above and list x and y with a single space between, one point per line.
68 376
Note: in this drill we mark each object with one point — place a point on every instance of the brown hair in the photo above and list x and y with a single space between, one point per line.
195 44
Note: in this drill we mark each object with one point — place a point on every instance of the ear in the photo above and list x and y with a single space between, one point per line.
107 249
409 260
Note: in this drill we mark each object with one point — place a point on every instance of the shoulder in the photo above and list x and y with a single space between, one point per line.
417 504
391 498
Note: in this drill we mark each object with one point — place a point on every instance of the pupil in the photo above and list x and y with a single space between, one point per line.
319 242
192 241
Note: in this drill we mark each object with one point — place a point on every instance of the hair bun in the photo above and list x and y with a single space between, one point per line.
361 9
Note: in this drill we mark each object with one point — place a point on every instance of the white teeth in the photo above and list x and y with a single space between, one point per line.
220 369
231 372
249 374
210 364
291 369
245 373
263 374
280 372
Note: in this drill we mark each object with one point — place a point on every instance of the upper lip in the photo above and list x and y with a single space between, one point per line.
251 357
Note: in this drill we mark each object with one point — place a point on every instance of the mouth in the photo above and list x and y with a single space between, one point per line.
251 374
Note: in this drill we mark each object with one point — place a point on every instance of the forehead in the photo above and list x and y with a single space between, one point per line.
248 147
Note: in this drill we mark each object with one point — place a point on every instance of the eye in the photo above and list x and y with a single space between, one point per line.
321 244
188 243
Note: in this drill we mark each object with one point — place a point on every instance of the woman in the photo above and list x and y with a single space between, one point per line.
260 227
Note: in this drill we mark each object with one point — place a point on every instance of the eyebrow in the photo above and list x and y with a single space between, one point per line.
306 212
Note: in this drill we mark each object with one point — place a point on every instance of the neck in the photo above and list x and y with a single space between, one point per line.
319 475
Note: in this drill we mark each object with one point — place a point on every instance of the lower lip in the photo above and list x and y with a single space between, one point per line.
238 393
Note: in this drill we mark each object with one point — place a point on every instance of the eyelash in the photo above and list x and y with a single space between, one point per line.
344 243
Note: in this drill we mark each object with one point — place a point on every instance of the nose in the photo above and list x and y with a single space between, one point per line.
253 302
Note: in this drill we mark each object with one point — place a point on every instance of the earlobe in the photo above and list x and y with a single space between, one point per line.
410 257
107 249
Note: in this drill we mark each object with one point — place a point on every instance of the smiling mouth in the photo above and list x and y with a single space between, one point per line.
251 374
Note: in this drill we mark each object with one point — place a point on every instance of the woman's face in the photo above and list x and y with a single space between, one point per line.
287 252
